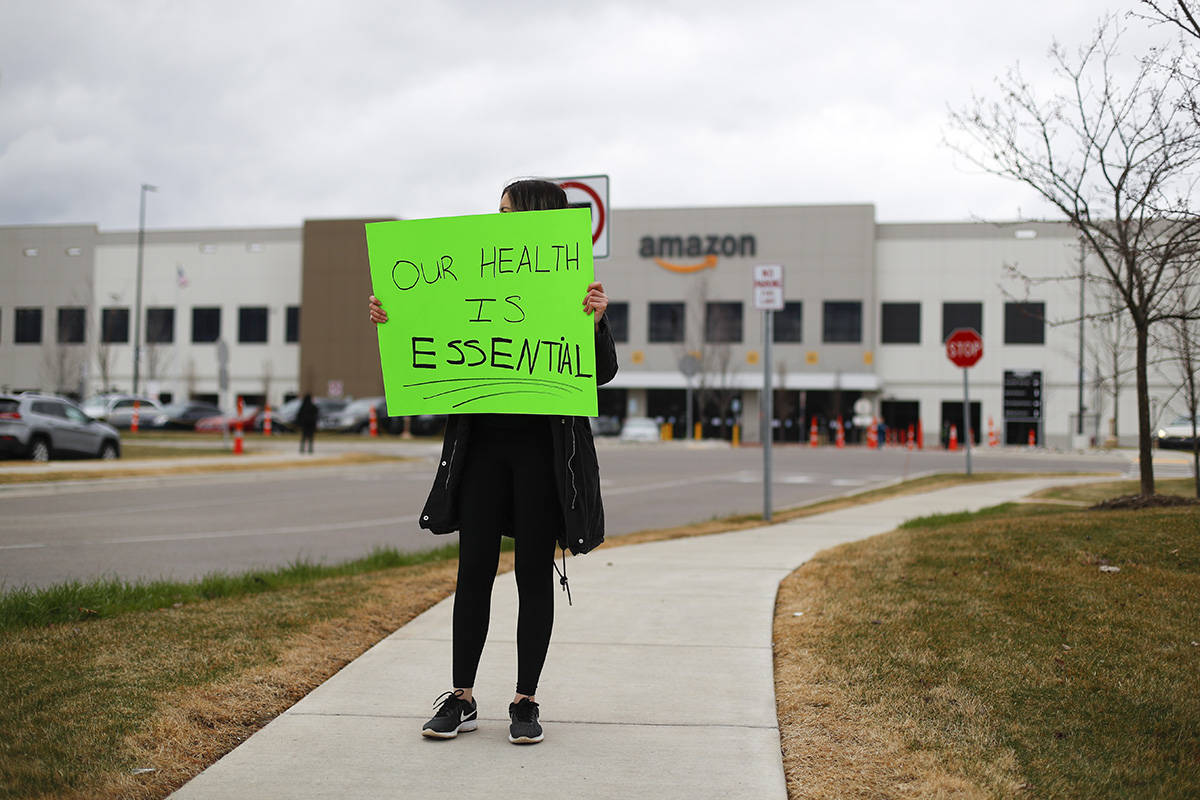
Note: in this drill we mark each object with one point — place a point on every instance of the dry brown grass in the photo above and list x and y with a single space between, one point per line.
193 727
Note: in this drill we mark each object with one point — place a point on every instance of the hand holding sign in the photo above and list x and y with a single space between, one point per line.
486 307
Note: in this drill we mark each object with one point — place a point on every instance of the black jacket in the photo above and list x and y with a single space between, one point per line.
576 470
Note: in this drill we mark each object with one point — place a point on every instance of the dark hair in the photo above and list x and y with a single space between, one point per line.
535 195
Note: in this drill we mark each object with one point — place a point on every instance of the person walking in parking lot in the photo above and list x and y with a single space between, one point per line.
306 418
533 477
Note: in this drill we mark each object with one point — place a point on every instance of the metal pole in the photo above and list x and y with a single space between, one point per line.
768 412
1082 281
967 419
687 430
137 312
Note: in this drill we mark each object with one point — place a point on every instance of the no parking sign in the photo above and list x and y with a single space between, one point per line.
591 191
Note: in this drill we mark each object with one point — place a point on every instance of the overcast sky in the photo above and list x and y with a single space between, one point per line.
257 113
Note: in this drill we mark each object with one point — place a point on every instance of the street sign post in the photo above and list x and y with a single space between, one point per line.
768 298
964 346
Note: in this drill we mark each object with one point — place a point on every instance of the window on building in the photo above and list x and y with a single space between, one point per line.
961 315
1024 323
618 321
722 322
843 321
252 324
900 323
666 322
206 324
27 326
114 325
292 332
789 322
71 324
160 325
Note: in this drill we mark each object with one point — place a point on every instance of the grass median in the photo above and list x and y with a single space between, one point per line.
129 690
1022 651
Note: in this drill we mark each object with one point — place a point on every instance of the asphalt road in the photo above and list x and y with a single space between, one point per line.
186 526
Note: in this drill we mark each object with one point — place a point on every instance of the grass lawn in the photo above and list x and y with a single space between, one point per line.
989 655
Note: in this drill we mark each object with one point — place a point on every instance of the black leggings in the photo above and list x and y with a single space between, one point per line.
508 477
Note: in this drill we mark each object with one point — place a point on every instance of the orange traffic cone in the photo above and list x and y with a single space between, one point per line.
993 439
872 434
953 438
912 439
133 423
374 421
237 427
841 432
813 436
1032 438
267 420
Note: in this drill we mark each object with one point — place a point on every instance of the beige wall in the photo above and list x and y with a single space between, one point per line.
337 342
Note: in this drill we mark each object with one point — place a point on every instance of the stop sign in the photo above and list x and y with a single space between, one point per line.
964 347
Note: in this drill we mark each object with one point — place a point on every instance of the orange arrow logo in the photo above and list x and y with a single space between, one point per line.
708 263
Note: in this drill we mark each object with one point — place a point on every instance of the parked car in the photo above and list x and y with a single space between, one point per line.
356 416
102 405
223 422
41 427
120 414
285 417
605 426
640 429
1178 434
183 416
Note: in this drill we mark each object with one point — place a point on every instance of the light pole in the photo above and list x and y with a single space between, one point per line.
137 312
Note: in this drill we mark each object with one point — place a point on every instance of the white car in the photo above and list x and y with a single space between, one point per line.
640 429
117 409
1177 434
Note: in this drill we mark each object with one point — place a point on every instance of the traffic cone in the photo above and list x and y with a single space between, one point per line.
237 430
953 438
993 439
912 439
374 422
841 433
813 437
267 420
1032 438
133 423
872 435
920 436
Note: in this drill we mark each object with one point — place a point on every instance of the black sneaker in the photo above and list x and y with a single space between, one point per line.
453 715
524 728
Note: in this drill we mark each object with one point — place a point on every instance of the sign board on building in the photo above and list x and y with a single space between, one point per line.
335 389
768 287
1022 395
591 191
964 346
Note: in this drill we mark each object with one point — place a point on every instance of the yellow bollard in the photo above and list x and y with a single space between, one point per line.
737 430
696 432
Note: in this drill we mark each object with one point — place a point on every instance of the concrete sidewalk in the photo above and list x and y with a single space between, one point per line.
658 682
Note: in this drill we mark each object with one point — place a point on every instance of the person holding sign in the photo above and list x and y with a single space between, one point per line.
534 477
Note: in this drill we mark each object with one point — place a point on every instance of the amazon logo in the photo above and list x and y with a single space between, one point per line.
666 249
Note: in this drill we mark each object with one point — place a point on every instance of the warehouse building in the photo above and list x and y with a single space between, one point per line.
268 313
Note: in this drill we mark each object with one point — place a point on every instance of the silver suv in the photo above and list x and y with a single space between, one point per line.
41 426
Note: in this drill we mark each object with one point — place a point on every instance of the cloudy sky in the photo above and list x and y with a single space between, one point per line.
266 113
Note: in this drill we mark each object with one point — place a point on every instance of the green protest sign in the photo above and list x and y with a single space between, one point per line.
485 313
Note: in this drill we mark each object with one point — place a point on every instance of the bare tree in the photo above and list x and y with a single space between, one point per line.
1111 354
711 343
1183 15
105 356
1181 341
1119 164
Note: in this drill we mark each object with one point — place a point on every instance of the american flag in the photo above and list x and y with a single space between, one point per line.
180 278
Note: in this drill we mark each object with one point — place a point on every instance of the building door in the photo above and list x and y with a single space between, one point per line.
670 406
952 415
899 416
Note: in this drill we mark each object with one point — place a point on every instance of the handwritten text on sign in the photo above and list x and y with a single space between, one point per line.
485 313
